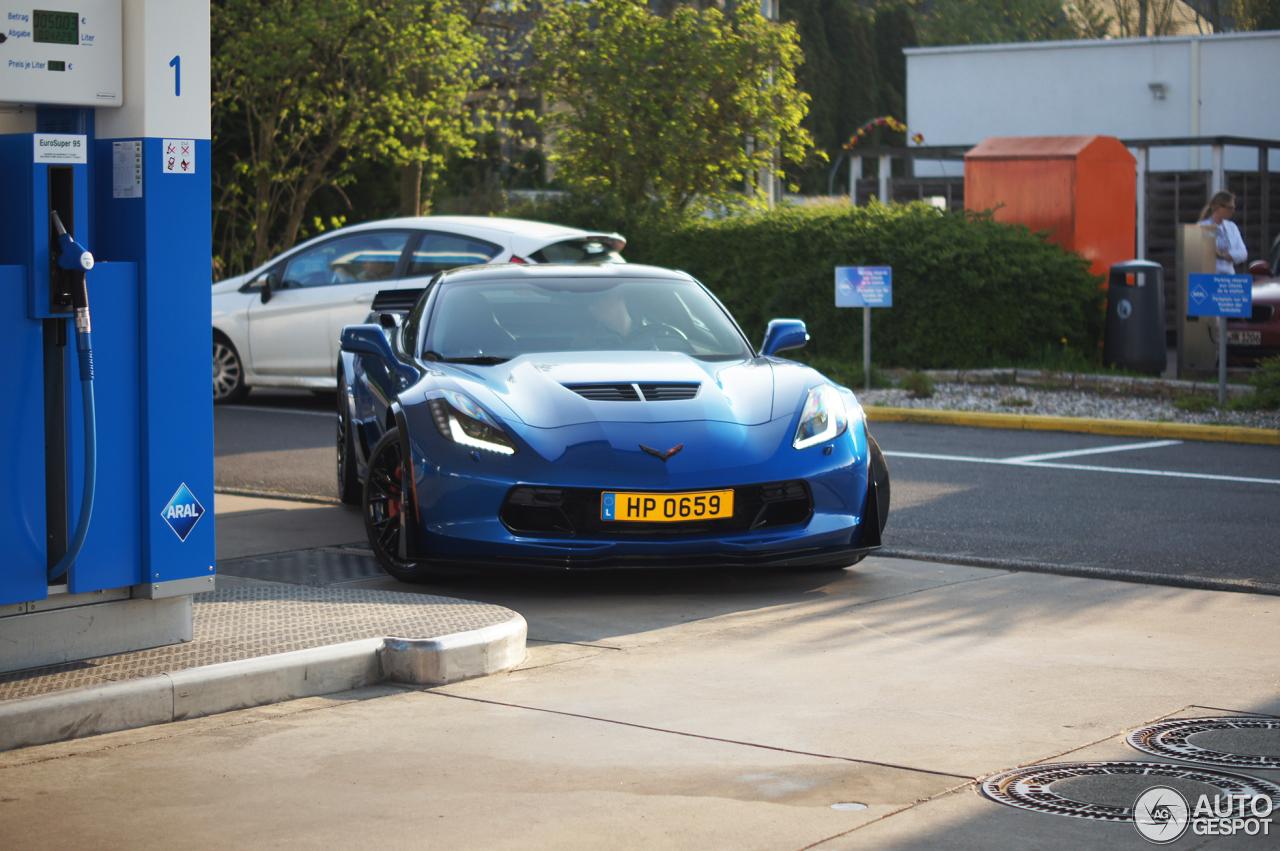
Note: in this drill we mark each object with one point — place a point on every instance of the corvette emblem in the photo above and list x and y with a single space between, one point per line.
662 455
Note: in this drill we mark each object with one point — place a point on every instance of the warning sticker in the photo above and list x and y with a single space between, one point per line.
126 169
179 156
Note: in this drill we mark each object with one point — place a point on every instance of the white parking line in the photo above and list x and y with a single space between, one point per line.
1097 450
276 410
1085 467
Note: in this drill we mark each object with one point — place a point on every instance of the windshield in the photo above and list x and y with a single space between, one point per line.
495 321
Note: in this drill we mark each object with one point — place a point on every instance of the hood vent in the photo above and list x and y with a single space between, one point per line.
668 392
634 392
606 392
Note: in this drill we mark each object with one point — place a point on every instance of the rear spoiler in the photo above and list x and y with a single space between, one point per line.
396 301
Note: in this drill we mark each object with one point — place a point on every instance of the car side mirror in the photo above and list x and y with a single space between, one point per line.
268 287
261 285
784 334
367 340
372 340
1260 267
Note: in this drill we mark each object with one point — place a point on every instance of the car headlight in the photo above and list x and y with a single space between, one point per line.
463 421
823 417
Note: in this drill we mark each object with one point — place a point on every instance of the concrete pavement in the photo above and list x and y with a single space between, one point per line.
858 711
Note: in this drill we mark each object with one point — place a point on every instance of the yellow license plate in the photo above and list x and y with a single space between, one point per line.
666 507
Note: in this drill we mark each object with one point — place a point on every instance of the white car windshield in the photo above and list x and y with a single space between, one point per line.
492 322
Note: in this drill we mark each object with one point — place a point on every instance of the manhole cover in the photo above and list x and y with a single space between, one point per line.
1110 788
1239 742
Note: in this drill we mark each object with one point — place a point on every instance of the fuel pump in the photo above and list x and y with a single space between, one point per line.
106 458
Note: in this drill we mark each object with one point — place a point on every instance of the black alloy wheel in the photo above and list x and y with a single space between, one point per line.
384 503
228 372
349 488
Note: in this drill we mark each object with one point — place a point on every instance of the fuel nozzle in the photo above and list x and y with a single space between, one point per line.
75 259
72 256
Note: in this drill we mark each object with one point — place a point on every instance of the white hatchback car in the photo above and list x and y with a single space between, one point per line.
278 325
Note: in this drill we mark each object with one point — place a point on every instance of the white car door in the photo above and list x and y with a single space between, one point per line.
290 334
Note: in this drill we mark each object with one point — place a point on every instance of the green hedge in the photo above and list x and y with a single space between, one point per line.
968 291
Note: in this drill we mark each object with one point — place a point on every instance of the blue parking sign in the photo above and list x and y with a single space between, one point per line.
864 286
1219 295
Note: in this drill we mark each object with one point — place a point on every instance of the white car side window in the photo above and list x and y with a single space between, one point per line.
440 251
351 259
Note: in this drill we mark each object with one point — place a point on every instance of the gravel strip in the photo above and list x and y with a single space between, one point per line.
1002 399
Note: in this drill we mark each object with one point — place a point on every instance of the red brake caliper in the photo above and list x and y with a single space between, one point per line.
393 505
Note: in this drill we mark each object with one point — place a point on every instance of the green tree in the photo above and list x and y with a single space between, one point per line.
841 76
993 21
1093 19
1240 15
304 90
894 30
647 109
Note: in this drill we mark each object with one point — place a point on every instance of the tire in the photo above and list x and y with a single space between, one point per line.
383 503
350 491
228 372
879 475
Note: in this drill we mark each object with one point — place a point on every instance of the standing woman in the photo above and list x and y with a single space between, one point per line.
1230 246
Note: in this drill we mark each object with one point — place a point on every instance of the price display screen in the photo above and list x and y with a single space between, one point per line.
55 27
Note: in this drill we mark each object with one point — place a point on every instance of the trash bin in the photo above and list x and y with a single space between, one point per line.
1135 338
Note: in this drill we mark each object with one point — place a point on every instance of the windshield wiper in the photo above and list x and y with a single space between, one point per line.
482 360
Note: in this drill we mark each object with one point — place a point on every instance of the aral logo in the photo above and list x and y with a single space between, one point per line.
183 512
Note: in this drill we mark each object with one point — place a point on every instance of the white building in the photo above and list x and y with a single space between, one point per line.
1135 88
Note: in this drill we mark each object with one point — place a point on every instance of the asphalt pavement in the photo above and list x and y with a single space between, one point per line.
1166 510
1170 510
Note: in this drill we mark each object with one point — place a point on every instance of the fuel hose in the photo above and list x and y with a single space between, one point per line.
76 260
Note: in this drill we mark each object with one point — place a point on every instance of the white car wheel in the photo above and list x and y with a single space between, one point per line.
228 372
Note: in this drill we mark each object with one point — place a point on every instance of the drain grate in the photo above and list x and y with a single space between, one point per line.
1233 742
305 567
1031 788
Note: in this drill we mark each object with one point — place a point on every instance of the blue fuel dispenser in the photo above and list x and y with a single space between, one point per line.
107 470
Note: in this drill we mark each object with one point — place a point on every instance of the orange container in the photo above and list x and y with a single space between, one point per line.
1078 188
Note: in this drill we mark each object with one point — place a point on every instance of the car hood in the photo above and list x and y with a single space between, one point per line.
535 389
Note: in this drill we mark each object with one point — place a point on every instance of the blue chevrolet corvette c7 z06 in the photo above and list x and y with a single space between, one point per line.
587 416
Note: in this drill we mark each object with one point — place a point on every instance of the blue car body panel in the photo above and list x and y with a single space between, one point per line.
737 432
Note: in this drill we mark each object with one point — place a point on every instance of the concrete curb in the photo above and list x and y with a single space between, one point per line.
228 686
1123 428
